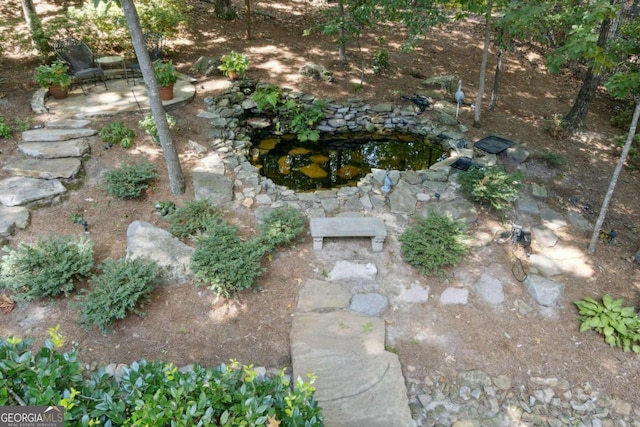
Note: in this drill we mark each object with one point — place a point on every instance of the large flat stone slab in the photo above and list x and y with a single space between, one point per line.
318 295
46 168
21 190
48 134
11 218
216 188
68 123
52 150
358 382
145 240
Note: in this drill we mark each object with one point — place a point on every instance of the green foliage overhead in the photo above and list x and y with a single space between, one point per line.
47 268
195 217
128 181
433 242
151 393
122 286
619 325
490 186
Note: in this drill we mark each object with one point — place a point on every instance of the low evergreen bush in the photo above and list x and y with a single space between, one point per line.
282 226
433 242
224 262
129 180
151 393
490 186
47 268
193 218
123 286
5 130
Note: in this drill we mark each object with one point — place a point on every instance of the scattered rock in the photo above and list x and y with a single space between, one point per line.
544 291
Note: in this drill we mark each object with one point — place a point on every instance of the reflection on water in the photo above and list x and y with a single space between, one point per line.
342 161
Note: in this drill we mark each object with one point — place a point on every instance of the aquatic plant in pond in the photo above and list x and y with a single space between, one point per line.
341 161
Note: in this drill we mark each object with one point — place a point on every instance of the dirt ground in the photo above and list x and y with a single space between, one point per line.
186 324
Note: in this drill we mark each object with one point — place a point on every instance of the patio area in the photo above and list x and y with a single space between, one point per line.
121 96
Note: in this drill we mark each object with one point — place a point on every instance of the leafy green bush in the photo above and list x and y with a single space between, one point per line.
117 133
267 97
225 262
148 124
490 186
122 286
281 226
5 130
193 218
47 268
619 325
304 119
129 180
433 242
380 62
152 393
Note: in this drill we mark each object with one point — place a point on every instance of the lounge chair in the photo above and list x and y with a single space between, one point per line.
81 61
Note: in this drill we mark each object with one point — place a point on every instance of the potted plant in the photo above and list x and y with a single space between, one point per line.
166 76
233 65
54 77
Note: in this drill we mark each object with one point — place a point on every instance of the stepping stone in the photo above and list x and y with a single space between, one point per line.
552 219
544 291
11 218
490 289
544 237
20 190
527 205
51 150
68 124
46 168
48 134
347 270
370 304
318 295
358 382
145 240
415 294
454 296
216 188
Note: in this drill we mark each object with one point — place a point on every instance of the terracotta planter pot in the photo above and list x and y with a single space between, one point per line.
166 92
58 92
233 75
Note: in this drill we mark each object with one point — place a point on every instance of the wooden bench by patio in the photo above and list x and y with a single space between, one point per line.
348 227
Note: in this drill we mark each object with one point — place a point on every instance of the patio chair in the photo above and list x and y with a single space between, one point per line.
154 43
81 61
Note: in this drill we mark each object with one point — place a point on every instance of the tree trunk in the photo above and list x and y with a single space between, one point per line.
483 66
496 82
247 17
614 179
176 178
224 10
341 35
38 40
576 117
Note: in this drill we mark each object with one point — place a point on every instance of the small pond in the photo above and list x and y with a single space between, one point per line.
339 161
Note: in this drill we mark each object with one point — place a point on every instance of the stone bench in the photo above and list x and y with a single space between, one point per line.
348 227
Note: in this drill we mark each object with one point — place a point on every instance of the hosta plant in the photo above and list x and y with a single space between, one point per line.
619 325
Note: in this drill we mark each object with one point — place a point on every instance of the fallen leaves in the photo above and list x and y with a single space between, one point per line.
6 304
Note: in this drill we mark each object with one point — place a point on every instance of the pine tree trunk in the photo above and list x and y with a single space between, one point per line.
38 40
614 179
341 42
247 18
577 116
483 66
496 82
176 177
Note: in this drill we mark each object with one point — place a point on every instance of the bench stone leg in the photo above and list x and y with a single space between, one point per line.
317 243
376 244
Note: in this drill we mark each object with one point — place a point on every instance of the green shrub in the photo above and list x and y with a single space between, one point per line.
433 242
122 286
281 226
148 124
619 325
151 393
5 130
193 218
117 133
267 97
224 262
551 159
305 118
490 186
380 62
129 180
47 268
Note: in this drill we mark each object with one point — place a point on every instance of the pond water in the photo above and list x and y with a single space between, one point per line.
340 161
